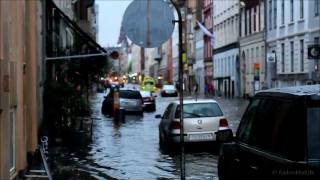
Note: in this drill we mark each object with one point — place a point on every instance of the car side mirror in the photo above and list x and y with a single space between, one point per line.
225 135
158 116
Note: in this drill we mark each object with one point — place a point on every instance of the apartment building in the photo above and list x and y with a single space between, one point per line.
292 25
252 65
226 47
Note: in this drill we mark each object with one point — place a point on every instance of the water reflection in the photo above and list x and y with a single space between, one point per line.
130 150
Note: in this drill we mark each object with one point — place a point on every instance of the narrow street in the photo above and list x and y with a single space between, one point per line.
131 150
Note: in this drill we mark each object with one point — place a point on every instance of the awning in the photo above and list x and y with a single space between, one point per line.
54 16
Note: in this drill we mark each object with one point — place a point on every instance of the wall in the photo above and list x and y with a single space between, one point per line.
19 90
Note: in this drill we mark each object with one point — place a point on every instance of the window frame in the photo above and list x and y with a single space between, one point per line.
301 55
301 9
282 57
291 11
292 55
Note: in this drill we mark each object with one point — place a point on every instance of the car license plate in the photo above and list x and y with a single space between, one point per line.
195 137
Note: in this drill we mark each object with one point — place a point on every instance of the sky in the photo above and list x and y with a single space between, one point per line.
109 19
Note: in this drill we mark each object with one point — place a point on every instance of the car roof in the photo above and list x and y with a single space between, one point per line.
305 90
193 101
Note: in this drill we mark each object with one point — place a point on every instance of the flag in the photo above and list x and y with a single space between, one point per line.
207 32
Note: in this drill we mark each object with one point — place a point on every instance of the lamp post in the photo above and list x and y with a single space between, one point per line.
179 21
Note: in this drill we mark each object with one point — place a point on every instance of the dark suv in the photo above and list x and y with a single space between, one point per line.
278 137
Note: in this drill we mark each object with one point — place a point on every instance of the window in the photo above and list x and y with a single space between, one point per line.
313 114
245 24
301 9
254 19
195 110
246 121
12 141
267 114
301 55
275 13
270 15
289 130
291 10
291 55
278 127
282 12
316 40
167 112
282 57
316 7
130 94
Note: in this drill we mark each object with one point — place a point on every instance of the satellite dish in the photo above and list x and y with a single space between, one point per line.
148 23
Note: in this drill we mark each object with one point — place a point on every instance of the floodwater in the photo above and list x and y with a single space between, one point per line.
130 150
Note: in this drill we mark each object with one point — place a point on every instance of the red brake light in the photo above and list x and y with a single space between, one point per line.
223 123
175 125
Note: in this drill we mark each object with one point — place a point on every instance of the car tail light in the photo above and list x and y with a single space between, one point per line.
223 123
175 125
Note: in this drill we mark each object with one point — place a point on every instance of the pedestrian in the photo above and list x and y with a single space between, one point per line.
206 89
196 87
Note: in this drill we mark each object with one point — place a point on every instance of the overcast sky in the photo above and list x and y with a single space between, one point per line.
109 19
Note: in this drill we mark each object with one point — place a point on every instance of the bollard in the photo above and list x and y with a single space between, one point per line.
122 115
116 103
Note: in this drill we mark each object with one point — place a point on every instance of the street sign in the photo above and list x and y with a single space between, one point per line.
148 23
271 57
314 51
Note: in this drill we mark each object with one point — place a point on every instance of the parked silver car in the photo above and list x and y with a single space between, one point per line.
131 101
202 119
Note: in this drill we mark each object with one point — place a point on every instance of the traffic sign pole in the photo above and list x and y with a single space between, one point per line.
182 159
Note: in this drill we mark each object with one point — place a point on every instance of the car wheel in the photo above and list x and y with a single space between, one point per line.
153 107
224 171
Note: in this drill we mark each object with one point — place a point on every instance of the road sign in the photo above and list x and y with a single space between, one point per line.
271 57
148 23
314 51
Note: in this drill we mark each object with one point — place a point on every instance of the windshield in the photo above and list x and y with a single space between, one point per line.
194 110
148 83
313 113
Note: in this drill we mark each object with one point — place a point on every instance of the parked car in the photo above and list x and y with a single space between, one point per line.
169 90
278 137
130 100
202 118
149 100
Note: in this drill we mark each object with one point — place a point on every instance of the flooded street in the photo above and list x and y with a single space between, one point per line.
130 150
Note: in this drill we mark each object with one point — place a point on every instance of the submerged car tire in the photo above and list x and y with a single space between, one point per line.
153 108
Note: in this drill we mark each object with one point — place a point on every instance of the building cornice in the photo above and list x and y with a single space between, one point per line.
226 47
290 35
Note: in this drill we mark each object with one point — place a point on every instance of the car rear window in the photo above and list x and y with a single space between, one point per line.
130 94
148 83
145 93
195 110
313 113
168 87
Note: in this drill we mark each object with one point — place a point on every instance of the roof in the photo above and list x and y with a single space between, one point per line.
190 101
305 90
